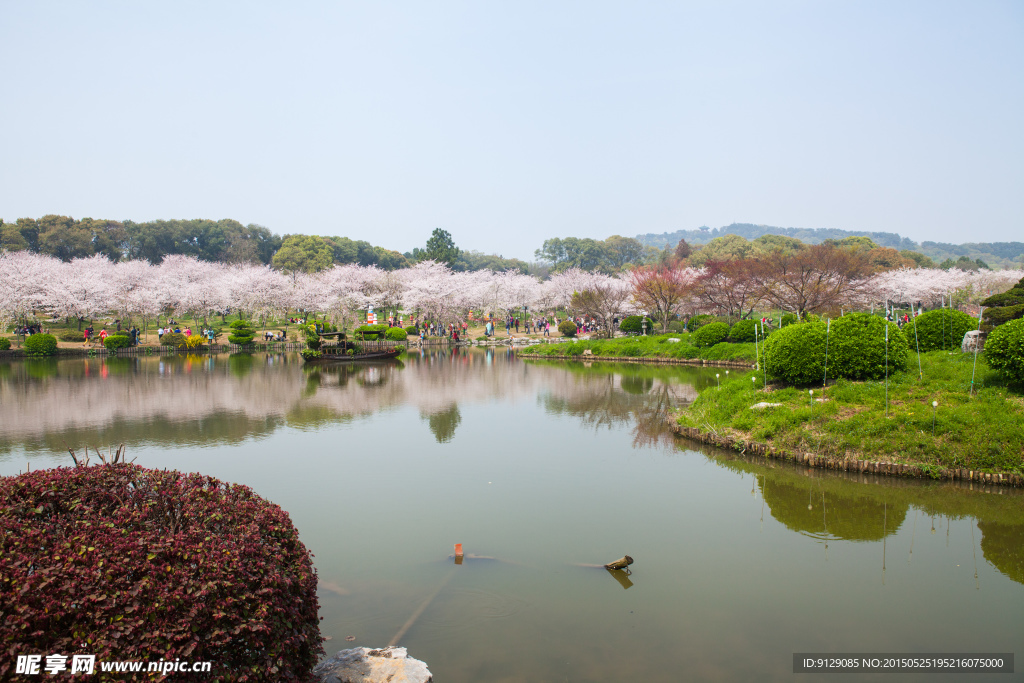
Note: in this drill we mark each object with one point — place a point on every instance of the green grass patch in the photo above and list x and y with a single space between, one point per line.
658 346
982 432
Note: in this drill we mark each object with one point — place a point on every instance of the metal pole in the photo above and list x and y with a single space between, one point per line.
976 345
824 381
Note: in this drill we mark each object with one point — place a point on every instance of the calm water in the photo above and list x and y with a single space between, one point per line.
542 466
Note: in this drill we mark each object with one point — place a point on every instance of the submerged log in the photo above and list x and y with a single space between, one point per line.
620 563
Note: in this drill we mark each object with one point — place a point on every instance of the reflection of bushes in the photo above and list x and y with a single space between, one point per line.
636 385
1001 544
240 364
443 423
854 518
42 368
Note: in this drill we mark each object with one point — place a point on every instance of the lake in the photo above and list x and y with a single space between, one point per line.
547 467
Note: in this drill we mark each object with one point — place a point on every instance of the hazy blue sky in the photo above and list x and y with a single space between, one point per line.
508 123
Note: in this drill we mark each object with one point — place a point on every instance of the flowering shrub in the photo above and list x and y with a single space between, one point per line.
129 563
194 342
41 345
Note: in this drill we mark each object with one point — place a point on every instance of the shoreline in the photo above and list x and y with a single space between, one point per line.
847 464
642 359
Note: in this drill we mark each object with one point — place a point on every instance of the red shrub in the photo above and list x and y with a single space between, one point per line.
134 564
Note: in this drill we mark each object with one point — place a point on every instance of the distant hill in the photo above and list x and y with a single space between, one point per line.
995 254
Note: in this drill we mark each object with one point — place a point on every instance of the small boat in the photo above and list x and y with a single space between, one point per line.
328 355
344 350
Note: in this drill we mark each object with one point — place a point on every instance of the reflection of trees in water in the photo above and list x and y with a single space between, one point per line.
855 510
443 423
841 514
1003 546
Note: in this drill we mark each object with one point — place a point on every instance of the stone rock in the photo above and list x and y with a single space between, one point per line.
973 341
764 404
673 339
365 665
588 352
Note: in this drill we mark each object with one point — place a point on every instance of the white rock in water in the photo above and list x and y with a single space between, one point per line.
365 665
973 340
764 404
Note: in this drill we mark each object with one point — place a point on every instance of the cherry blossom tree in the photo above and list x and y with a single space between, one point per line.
23 276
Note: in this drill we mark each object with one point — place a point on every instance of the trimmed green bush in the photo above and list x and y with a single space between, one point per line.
5 343
796 354
567 328
709 335
743 331
675 326
243 333
175 339
73 336
412 330
942 328
787 319
857 348
370 332
40 345
396 334
633 324
240 339
240 324
1004 350
698 321
1001 308
117 341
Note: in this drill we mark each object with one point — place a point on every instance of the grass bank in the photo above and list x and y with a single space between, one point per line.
653 347
983 432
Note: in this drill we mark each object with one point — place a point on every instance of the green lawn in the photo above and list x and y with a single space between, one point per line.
657 346
983 431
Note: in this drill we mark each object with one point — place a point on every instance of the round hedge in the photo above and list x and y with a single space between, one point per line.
709 335
411 330
567 328
697 321
1004 350
396 334
128 563
175 339
787 319
857 349
796 354
41 345
934 329
633 324
117 341
743 331
5 343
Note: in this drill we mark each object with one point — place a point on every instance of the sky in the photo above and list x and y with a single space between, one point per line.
508 123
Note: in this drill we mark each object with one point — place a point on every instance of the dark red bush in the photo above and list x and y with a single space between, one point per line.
134 564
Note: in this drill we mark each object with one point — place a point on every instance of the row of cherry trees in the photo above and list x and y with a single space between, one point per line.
812 282
185 286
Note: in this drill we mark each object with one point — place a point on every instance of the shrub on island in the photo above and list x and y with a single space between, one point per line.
943 328
1004 350
124 562
743 331
710 334
857 347
396 334
633 324
795 354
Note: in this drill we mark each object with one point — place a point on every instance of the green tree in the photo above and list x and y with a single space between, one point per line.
620 252
11 238
441 248
303 254
64 237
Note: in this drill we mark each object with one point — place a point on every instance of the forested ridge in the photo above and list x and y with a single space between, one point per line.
1001 254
